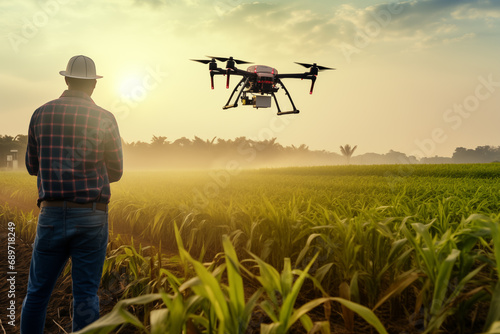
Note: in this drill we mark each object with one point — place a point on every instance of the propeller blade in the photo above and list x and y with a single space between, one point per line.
203 61
237 61
304 64
320 68
219 58
224 59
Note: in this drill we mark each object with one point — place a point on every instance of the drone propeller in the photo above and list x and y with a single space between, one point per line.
224 59
212 67
229 65
314 69
321 68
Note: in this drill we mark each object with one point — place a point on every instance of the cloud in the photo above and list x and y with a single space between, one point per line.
300 26
478 10
418 24
156 3
279 28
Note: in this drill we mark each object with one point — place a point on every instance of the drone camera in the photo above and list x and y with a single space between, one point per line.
245 100
262 101
259 101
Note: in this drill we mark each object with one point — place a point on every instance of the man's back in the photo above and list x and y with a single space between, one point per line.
75 149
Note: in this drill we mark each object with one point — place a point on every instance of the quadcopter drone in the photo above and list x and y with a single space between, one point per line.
258 83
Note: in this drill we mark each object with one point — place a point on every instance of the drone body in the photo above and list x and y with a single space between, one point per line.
259 82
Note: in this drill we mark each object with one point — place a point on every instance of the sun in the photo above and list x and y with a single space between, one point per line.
131 86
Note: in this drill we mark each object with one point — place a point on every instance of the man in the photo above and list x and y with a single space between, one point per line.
74 149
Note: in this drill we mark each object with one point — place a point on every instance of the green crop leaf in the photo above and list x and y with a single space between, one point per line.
118 316
363 312
236 292
442 280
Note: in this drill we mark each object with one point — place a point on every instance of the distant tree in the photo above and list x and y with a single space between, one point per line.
481 154
347 151
158 141
203 145
183 142
301 148
267 145
21 139
6 139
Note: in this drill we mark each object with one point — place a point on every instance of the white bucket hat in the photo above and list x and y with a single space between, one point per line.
80 67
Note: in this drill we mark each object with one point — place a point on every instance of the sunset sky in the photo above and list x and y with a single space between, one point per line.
420 77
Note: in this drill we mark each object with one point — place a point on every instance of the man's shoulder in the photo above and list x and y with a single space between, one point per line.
104 112
50 103
47 105
70 102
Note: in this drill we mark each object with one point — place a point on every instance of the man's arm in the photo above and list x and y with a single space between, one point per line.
113 155
32 151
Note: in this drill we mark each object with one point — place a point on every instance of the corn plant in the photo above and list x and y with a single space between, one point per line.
221 308
438 259
490 224
227 302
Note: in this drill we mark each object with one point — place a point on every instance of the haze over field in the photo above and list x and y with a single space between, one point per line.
419 77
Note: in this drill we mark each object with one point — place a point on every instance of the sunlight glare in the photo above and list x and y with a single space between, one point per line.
129 87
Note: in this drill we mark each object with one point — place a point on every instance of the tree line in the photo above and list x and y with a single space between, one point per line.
197 153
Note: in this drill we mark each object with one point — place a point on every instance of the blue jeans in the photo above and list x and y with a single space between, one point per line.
79 233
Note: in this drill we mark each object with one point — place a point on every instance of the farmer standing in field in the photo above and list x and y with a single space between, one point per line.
74 149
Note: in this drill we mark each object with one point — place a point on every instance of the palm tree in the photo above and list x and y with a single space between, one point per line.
347 151
159 141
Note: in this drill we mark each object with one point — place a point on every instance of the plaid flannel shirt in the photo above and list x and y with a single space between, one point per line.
74 148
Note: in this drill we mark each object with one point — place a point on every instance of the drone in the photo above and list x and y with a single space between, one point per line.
259 82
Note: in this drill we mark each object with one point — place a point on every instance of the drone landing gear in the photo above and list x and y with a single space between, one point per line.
294 111
243 82
288 112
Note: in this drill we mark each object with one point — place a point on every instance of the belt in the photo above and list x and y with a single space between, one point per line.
98 206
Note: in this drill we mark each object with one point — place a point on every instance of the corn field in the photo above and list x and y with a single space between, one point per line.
349 249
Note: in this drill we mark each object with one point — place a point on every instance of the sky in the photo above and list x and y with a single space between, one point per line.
420 77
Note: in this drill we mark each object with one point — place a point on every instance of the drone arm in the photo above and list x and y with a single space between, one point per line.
306 75
227 72
214 72
313 80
